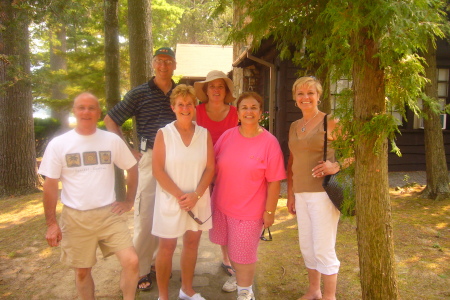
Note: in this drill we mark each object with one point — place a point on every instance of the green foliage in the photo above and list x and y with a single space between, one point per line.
127 129
264 120
331 36
44 130
200 24
166 18
83 23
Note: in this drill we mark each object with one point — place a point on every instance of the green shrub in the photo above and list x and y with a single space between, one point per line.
44 130
127 129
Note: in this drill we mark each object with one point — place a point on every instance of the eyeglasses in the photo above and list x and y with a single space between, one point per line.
167 62
263 238
197 220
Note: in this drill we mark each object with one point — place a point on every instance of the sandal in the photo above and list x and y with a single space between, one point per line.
144 280
228 269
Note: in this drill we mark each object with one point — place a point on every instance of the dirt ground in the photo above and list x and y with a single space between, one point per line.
30 269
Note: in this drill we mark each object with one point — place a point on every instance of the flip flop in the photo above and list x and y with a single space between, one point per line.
228 269
143 280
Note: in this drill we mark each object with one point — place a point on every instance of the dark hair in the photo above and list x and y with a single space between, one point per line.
253 95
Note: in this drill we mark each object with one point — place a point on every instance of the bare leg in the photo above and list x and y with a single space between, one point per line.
130 272
314 285
329 286
225 259
84 283
244 273
164 266
188 260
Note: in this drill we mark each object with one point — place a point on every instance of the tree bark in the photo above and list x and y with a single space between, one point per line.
373 209
436 163
112 75
17 149
140 36
58 64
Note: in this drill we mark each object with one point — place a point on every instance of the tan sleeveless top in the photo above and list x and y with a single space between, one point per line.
307 151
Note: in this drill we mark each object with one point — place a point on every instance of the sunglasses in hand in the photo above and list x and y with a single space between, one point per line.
263 238
197 220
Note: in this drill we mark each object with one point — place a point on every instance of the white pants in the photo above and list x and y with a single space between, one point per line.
317 219
144 204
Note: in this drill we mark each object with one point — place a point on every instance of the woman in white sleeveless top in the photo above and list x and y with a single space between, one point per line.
183 165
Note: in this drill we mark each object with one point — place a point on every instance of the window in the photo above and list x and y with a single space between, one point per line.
443 85
336 89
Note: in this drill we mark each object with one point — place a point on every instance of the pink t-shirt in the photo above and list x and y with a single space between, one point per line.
244 166
216 128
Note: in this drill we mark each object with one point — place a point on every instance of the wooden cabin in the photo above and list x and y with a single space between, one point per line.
264 72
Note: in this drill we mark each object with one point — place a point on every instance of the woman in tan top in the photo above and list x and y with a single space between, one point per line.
317 217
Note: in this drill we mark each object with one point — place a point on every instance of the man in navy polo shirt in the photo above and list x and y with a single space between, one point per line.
150 104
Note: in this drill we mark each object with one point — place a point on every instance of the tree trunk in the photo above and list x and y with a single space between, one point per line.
112 74
141 52
58 65
436 164
140 35
17 149
373 209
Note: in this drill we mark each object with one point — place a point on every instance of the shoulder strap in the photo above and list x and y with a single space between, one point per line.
325 136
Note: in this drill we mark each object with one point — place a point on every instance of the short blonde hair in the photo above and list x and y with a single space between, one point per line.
308 81
184 91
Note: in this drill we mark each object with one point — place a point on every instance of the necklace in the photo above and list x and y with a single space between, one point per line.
306 123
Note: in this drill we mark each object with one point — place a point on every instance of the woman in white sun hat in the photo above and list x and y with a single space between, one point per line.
217 115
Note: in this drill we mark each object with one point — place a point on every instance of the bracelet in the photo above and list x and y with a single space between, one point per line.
269 212
198 197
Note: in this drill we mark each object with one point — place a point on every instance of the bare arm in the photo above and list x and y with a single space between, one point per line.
50 200
273 191
113 127
290 186
158 167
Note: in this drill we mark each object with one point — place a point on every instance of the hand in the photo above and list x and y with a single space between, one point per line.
188 201
120 207
325 168
268 219
53 235
291 205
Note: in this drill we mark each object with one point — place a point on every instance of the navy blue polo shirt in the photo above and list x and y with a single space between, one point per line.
151 107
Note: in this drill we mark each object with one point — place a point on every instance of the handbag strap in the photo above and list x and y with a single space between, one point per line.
325 125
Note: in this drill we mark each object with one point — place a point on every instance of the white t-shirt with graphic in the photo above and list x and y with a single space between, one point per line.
85 166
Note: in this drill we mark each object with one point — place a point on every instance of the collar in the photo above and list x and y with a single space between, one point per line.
153 86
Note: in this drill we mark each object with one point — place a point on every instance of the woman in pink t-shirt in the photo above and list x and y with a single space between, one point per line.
217 115
249 167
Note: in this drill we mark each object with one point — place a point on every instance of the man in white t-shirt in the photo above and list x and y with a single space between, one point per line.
83 160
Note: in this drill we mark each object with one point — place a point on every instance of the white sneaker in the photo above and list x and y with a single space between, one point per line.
245 295
196 296
230 285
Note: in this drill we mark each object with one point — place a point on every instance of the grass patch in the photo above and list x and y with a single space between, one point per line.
422 252
30 269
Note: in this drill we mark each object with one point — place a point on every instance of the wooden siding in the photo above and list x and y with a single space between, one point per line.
412 147
410 142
